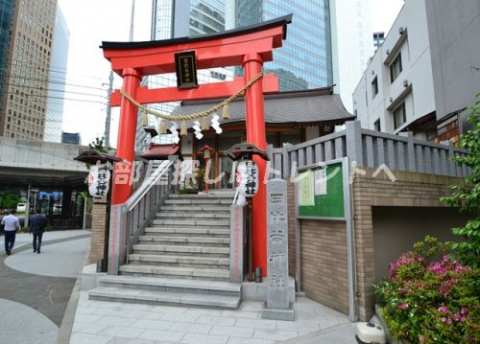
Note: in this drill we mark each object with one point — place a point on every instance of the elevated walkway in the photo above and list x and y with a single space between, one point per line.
43 164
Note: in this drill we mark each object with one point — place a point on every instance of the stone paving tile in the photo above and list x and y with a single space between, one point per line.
88 328
121 340
265 324
120 331
87 318
232 331
235 340
343 334
148 315
244 315
153 324
115 321
274 334
200 312
197 326
298 326
85 310
251 306
82 338
204 339
191 328
206 319
108 311
168 310
191 318
162 335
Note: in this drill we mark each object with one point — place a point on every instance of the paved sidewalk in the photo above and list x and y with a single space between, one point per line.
114 323
25 239
35 288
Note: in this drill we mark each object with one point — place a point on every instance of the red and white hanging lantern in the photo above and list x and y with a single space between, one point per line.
247 178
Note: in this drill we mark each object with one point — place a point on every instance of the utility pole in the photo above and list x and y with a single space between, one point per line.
108 120
132 21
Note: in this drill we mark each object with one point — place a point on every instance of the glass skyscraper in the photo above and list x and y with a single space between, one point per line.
328 42
181 18
305 60
6 12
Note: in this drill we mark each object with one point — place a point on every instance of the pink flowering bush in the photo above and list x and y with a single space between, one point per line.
430 297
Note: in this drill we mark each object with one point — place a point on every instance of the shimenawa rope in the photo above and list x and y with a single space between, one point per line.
193 116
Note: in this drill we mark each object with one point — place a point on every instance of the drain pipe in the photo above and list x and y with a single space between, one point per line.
352 297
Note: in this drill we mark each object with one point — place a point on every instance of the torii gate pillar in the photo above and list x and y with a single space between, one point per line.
126 134
250 47
256 134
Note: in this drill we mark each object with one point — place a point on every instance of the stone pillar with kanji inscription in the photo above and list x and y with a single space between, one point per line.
278 306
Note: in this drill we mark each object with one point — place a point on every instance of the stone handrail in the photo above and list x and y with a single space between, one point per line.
368 148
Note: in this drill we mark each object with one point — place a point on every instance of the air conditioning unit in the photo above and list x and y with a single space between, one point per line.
405 83
401 30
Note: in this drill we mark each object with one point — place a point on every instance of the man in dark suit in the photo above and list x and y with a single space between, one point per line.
37 226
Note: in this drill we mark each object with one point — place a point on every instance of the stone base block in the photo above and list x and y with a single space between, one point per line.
279 314
252 291
90 277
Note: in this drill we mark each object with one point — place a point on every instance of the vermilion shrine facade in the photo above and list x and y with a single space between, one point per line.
249 47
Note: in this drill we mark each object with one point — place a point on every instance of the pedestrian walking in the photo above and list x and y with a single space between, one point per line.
10 224
37 226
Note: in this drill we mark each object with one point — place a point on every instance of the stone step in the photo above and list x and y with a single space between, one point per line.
215 196
205 251
187 241
162 298
192 215
186 222
200 201
197 208
161 231
176 272
170 284
185 261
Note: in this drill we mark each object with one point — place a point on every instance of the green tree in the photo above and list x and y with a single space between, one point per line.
467 195
9 200
98 145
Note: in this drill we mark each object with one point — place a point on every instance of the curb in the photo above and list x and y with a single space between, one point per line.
65 330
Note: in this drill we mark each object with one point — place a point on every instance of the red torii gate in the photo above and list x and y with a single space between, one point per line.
249 47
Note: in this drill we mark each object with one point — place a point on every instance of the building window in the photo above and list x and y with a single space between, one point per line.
377 126
399 116
374 87
396 67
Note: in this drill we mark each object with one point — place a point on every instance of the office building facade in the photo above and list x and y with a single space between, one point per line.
329 42
181 18
423 76
58 77
6 12
305 59
25 85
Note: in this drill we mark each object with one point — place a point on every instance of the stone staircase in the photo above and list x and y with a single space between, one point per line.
182 259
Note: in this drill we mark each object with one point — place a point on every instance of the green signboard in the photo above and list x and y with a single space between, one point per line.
320 192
